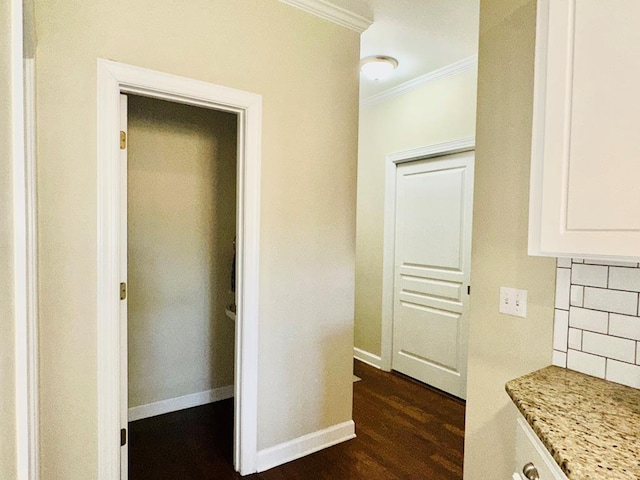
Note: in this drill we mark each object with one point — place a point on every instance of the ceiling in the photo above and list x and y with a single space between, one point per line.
423 35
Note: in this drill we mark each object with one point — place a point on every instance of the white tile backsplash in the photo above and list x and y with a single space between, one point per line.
563 286
559 359
560 330
597 321
621 349
577 296
622 278
624 326
593 320
614 263
586 363
575 339
589 275
624 373
611 300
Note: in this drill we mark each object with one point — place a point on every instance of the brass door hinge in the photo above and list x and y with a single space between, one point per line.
123 291
123 437
123 140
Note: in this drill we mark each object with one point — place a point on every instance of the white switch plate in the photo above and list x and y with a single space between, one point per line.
505 300
513 302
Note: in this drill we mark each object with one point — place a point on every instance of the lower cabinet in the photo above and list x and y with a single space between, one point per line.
532 460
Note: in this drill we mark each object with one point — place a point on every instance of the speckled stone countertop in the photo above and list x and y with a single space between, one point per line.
590 426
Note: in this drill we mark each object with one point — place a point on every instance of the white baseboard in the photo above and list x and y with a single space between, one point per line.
305 445
368 358
179 403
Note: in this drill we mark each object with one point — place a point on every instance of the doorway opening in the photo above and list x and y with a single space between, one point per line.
113 80
180 320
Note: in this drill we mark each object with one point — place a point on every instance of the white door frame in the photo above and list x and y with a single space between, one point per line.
115 78
25 273
388 250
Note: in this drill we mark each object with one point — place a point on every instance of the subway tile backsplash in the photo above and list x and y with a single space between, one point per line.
563 288
589 275
585 319
609 300
597 319
624 278
586 363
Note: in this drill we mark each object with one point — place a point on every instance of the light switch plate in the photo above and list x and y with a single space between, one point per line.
513 302
520 303
505 300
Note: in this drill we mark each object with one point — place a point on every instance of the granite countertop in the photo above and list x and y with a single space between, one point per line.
590 426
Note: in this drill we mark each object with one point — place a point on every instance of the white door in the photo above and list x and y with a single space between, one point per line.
431 276
124 382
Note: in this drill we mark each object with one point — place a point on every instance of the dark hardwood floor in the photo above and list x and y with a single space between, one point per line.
404 429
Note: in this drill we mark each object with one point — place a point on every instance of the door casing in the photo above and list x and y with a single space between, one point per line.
113 79
391 163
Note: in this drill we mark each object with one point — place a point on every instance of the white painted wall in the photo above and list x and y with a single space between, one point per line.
503 347
181 226
306 70
436 112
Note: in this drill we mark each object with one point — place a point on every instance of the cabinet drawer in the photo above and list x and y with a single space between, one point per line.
529 449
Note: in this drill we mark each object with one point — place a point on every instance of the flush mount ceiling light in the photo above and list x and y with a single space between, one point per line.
378 67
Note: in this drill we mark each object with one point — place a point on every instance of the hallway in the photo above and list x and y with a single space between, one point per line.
405 431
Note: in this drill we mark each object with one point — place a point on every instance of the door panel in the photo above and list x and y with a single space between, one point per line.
433 229
437 288
432 261
440 348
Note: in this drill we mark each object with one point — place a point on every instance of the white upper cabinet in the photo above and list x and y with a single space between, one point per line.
585 166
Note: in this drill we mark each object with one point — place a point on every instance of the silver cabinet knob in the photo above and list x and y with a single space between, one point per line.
530 471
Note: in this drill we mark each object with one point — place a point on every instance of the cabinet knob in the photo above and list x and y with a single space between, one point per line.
530 471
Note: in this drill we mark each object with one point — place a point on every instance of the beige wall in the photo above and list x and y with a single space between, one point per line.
7 372
306 70
503 347
182 221
436 112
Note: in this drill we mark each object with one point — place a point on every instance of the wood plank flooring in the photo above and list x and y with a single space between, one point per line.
405 431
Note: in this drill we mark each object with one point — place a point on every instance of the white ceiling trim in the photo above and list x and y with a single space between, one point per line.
333 13
468 63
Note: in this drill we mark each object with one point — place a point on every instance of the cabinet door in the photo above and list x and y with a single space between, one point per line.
585 172
529 449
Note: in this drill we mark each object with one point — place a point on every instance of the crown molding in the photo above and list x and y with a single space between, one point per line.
463 65
446 148
329 11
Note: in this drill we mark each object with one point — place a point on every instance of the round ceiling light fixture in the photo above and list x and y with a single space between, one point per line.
378 67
